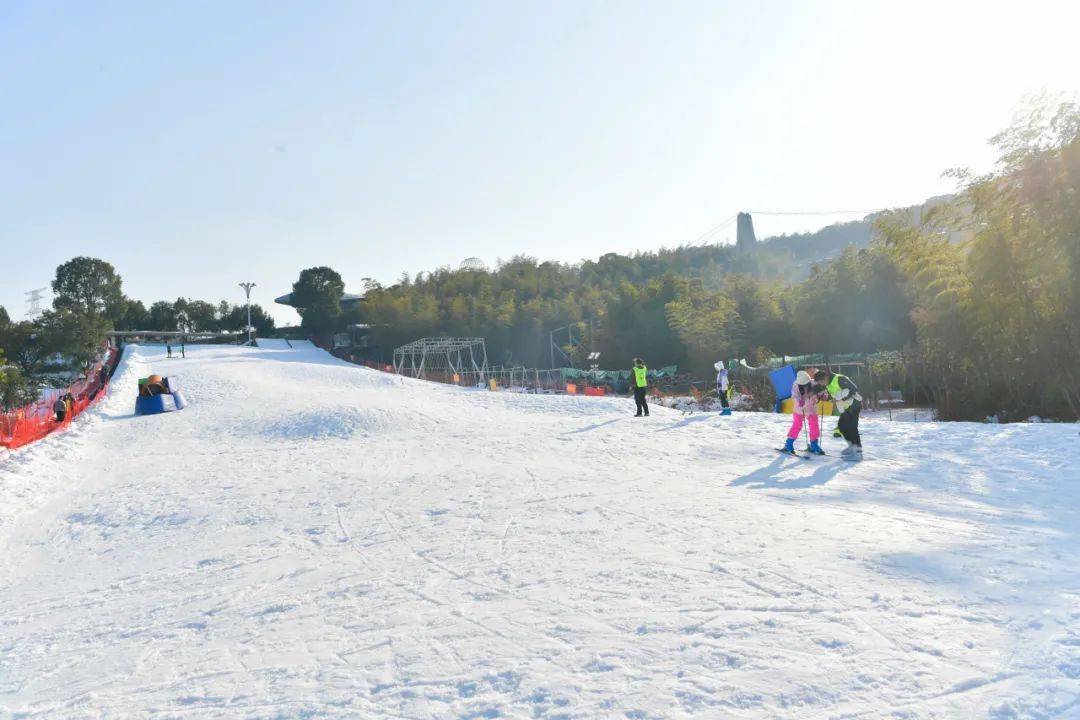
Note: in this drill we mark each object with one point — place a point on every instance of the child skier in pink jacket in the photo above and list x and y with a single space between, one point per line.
804 396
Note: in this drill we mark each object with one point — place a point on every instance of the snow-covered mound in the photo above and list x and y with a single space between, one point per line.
314 539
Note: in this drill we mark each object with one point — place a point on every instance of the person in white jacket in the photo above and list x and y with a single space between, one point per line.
722 386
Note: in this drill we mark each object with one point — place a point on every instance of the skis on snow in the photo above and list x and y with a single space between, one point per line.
808 455
782 451
804 454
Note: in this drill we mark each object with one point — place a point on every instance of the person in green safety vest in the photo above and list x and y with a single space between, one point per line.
845 394
640 382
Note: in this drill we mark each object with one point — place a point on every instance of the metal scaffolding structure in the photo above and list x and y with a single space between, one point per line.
442 356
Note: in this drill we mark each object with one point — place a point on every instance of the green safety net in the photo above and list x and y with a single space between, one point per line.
600 377
877 359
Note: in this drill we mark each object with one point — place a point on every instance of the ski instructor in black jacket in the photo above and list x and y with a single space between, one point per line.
846 396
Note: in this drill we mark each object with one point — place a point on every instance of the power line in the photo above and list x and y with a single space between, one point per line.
813 212
717 229
709 234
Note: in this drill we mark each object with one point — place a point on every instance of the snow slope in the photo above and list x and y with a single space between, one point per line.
314 539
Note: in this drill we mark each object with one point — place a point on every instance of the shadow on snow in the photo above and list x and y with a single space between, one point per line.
766 477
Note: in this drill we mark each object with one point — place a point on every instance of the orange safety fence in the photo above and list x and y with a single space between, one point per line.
36 420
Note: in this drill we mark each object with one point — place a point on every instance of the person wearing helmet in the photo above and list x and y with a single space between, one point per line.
722 386
846 396
804 398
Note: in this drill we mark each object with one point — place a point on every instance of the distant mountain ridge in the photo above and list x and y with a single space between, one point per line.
667 304
790 257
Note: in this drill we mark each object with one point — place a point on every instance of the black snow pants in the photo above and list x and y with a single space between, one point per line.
639 400
849 424
723 396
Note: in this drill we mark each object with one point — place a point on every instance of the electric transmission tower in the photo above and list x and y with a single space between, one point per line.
33 300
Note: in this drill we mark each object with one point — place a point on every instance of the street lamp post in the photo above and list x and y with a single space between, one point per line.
183 324
247 293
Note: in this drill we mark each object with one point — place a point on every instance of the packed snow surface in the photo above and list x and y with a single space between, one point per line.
313 539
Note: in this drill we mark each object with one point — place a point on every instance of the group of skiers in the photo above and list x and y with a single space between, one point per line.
806 392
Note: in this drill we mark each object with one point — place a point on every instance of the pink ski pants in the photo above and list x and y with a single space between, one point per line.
796 426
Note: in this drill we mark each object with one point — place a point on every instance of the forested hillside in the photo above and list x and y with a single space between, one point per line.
980 290
682 305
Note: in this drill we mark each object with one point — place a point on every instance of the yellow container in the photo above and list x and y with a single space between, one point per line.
824 407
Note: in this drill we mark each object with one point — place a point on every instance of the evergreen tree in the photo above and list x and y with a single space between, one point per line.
89 286
162 316
135 316
16 389
75 335
317 297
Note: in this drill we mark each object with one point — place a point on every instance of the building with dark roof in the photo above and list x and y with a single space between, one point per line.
347 300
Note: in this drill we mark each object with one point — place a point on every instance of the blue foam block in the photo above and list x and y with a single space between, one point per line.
153 404
782 380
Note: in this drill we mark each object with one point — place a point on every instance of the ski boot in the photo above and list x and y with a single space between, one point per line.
815 448
725 411
837 434
848 450
789 446
855 455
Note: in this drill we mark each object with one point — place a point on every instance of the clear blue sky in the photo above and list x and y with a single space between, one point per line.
195 145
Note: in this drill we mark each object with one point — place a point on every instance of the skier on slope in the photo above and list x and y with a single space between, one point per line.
804 398
639 381
722 386
846 396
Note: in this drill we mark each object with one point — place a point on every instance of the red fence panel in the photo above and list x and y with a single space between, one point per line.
35 421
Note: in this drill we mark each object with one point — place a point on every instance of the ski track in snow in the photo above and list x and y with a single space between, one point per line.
313 539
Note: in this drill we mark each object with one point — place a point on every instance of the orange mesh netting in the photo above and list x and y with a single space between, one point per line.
35 421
